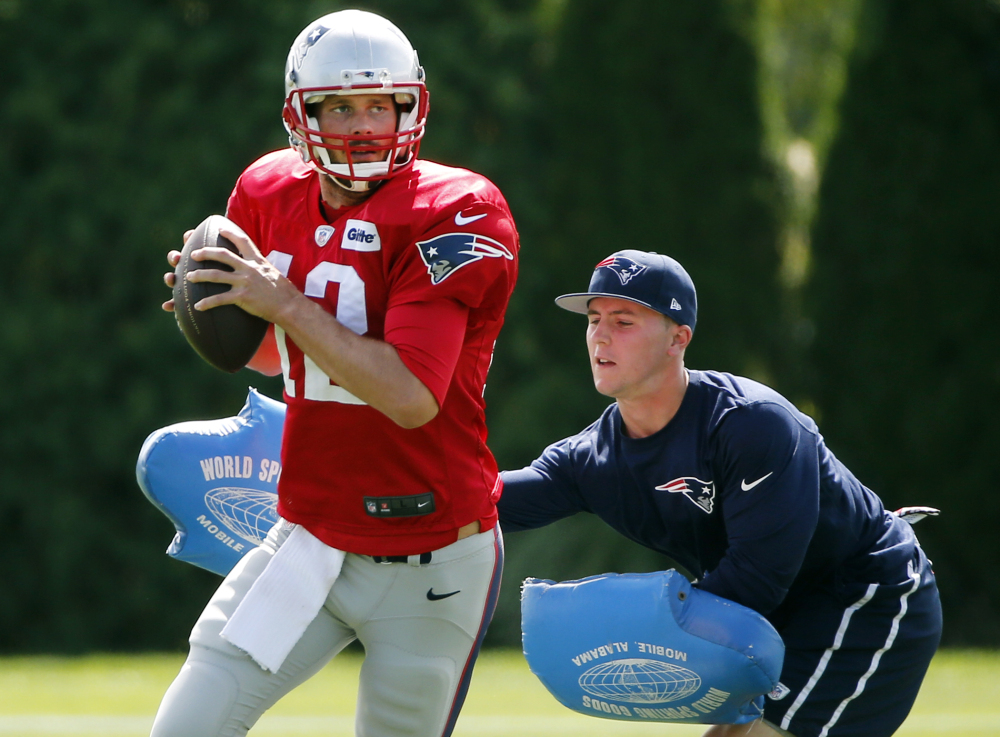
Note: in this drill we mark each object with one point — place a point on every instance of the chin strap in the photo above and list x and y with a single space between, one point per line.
352 185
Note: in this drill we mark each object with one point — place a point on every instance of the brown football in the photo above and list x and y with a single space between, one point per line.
227 337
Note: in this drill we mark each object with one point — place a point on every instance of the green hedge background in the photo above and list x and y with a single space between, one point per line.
826 169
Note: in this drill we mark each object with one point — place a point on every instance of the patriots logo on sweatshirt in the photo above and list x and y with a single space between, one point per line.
700 493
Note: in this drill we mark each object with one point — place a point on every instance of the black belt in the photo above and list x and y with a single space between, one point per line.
425 558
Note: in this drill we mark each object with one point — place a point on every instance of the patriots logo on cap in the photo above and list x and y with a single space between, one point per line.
701 493
447 253
625 268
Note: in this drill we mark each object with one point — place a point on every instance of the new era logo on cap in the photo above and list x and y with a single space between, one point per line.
674 304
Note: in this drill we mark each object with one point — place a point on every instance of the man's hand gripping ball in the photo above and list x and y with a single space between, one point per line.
204 281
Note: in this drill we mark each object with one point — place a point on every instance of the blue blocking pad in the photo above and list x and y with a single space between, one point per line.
647 647
216 480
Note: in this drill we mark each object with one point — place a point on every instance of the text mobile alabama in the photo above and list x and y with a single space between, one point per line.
217 532
613 648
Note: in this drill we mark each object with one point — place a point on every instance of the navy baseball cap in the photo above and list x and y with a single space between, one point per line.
649 279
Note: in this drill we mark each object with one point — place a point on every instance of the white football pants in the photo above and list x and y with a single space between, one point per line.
420 639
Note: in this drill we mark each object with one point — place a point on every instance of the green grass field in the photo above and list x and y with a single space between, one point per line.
116 696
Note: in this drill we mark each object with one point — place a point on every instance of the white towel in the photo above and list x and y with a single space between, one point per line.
284 599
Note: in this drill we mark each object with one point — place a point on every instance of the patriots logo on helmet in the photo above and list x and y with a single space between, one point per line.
447 253
625 268
701 493
314 35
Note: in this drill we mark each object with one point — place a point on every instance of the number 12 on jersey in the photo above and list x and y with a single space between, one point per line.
351 313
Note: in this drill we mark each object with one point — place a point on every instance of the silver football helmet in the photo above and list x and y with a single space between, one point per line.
353 52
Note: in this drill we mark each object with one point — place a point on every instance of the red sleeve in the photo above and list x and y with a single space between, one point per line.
266 360
428 337
474 264
240 213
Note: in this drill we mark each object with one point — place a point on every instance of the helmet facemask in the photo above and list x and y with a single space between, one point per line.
316 147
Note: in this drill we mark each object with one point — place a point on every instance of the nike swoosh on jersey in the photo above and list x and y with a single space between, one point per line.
746 487
431 596
459 220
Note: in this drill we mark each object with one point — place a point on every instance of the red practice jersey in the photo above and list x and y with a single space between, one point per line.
427 263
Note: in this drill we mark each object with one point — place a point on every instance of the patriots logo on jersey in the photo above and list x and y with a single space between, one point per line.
701 493
625 268
446 254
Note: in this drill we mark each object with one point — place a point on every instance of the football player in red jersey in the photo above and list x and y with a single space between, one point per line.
386 279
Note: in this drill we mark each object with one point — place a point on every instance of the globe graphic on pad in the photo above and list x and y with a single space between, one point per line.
248 513
640 681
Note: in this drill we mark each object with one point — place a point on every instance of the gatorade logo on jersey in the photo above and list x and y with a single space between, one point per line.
360 235
701 493
625 268
447 253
